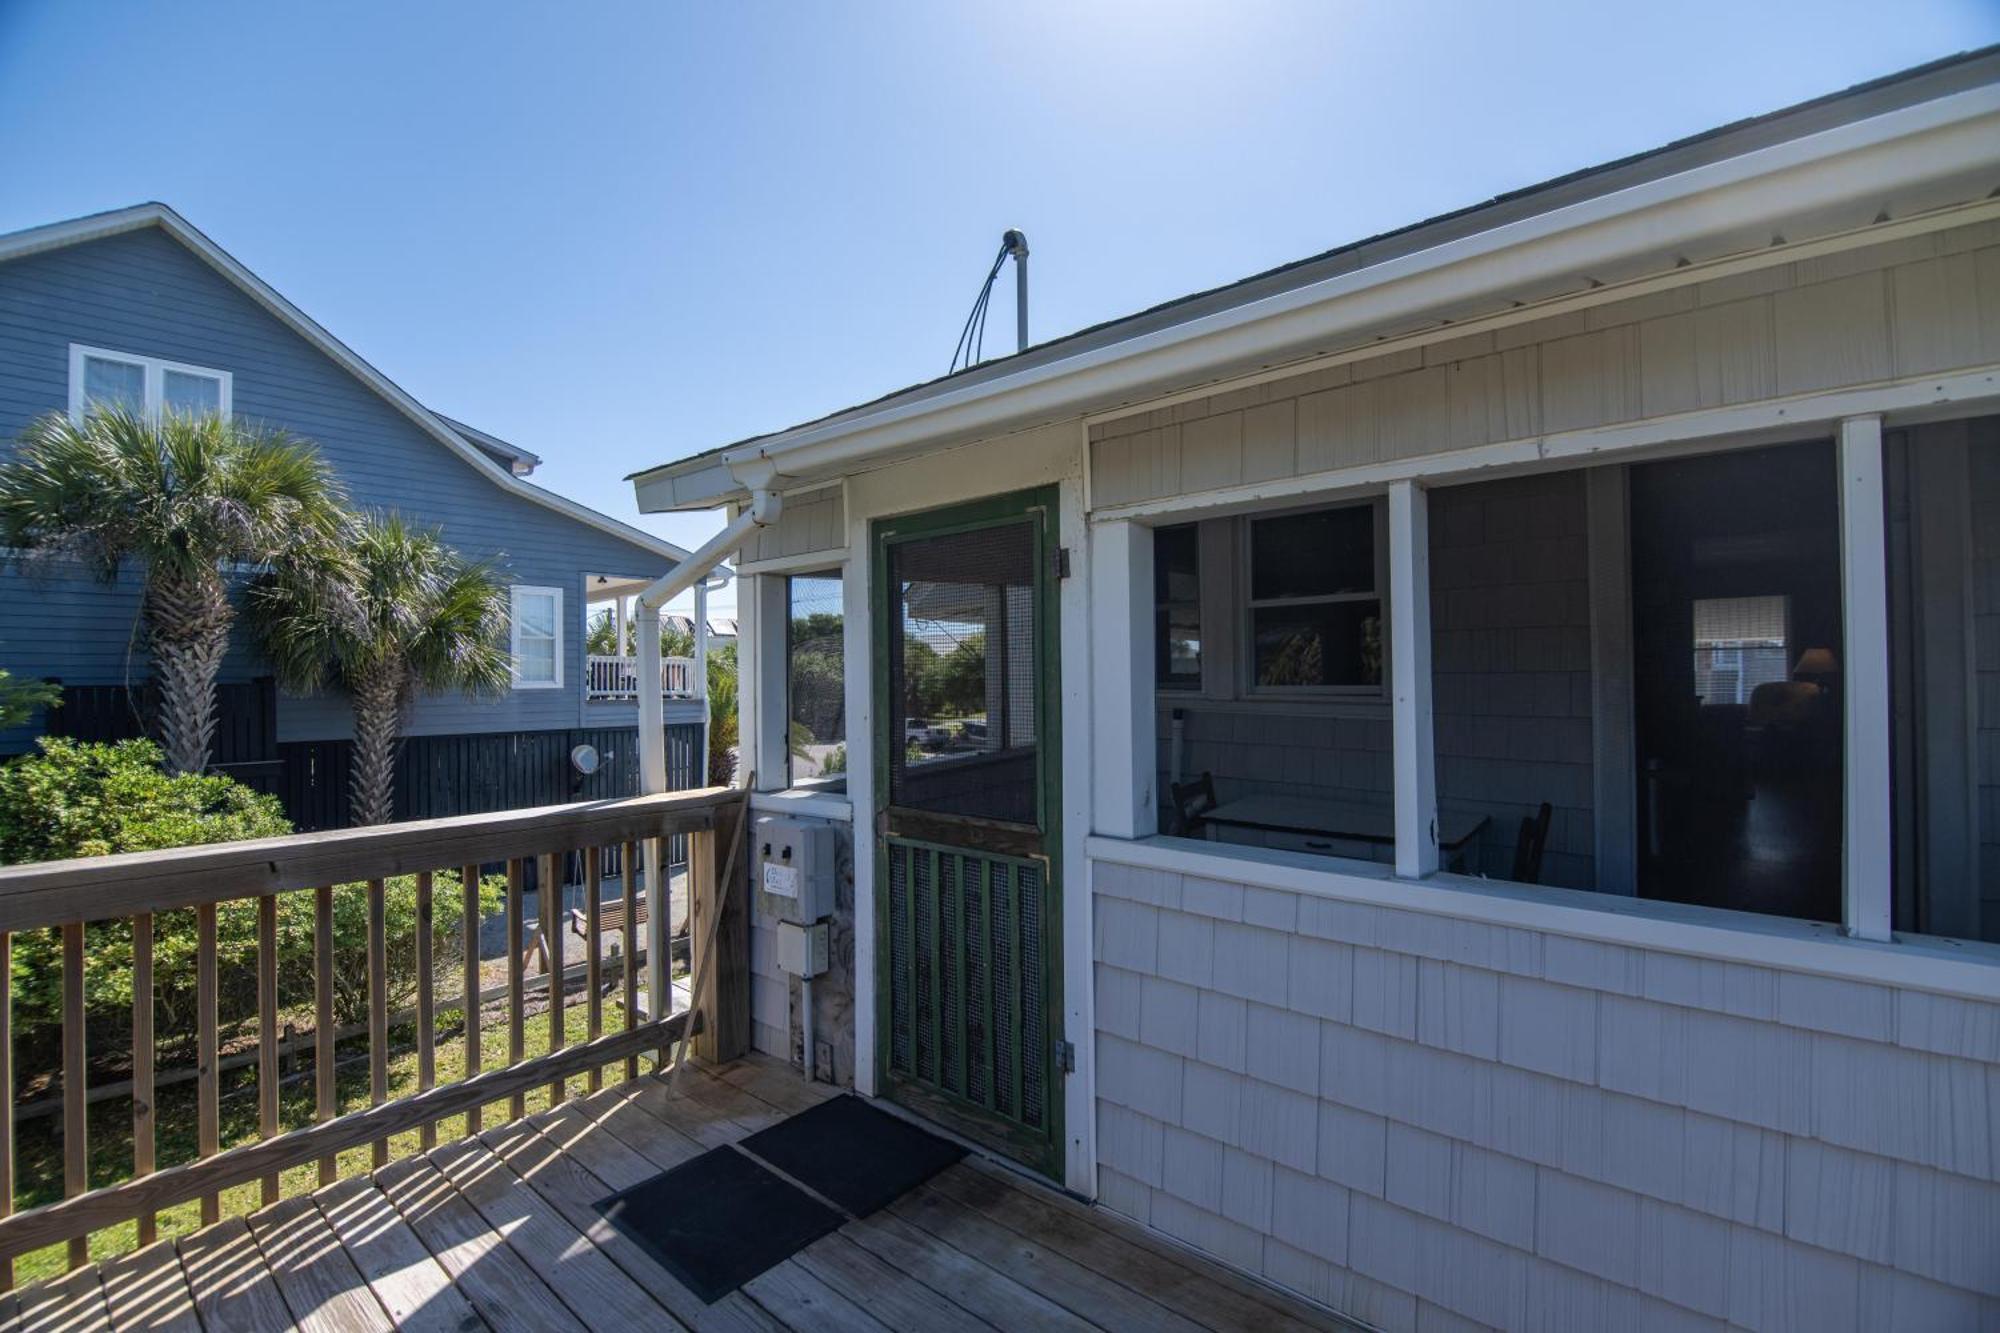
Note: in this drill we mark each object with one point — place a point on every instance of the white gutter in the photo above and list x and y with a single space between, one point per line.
763 511
1857 165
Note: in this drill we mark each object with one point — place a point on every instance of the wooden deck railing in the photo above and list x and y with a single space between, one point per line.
618 677
69 895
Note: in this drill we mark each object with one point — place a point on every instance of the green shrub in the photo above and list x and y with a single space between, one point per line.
95 800
76 799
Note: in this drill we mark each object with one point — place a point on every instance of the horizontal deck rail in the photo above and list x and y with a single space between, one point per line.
68 897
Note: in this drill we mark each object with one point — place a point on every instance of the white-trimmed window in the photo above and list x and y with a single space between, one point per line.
147 385
537 638
1316 602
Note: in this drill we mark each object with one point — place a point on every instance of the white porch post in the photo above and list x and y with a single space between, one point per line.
1866 868
619 646
1410 677
1123 798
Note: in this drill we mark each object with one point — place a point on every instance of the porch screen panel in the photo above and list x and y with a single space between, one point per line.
967 975
963 735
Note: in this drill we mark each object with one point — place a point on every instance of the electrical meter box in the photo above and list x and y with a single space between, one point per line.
801 949
795 867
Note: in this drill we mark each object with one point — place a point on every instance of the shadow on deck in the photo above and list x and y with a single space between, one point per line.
501 1232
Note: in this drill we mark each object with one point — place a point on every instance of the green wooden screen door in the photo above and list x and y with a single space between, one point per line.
968 887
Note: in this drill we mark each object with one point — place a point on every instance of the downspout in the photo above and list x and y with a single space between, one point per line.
762 511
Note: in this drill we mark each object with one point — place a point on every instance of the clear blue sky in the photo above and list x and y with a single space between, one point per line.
619 233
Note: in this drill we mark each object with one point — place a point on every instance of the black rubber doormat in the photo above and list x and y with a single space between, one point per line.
719 1220
860 1157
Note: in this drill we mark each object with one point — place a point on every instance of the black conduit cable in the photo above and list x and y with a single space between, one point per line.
975 323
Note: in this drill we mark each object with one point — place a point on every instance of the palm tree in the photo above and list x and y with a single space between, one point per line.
421 618
188 498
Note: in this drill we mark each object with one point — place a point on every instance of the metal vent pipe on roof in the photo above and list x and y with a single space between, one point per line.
1015 243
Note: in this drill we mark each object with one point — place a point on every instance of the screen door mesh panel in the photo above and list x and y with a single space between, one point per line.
962 658
967 977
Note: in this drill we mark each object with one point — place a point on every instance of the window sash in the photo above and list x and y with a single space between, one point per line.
527 601
1247 618
154 373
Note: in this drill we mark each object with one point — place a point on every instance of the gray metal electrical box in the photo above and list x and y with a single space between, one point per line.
795 867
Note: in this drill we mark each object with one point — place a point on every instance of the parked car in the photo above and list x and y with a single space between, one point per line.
919 731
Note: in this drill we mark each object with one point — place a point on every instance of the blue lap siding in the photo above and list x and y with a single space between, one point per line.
143 292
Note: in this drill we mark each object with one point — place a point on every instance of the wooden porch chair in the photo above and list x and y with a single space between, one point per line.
1528 848
1192 802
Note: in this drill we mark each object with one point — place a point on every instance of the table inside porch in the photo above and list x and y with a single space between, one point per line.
1354 829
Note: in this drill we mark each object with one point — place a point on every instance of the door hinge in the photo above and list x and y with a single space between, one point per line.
1065 1057
1059 562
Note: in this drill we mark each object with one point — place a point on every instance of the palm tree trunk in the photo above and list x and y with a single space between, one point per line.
378 718
188 619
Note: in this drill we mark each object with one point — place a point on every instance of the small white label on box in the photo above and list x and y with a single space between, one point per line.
782 880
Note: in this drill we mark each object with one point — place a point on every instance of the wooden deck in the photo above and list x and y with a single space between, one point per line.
499 1233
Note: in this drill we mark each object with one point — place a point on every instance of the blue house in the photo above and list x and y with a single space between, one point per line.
138 307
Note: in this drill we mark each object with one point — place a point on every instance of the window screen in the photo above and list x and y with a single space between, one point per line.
815 678
962 674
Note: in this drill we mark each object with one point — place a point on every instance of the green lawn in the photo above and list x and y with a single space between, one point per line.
38 1142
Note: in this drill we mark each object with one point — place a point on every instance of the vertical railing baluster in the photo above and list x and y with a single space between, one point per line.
426 1012
935 963
378 1009
6 1095
468 879
1025 1043
957 909
267 1031
208 1114
630 956
551 898
324 1074
593 966
516 1045
75 1095
143 1132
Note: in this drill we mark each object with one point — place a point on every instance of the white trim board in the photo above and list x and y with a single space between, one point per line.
1963 969
1842 174
1769 420
1711 270
98 226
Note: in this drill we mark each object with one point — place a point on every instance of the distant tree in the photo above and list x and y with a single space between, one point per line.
419 618
19 699
188 499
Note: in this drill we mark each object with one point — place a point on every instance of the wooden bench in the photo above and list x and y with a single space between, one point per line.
613 917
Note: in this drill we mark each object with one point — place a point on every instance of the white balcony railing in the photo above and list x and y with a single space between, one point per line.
618 677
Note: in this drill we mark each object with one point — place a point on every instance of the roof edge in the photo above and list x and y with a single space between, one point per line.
114 222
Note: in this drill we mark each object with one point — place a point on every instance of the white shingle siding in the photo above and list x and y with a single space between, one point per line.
1902 308
1420 1121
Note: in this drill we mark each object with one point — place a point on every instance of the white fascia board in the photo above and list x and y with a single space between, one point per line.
1860 162
101 225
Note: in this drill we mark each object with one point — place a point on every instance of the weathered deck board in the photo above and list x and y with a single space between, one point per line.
147 1290
411 1285
233 1287
496 1280
501 1232
314 1275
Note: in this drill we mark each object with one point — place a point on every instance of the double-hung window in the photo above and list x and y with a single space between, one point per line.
145 385
537 638
1316 602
